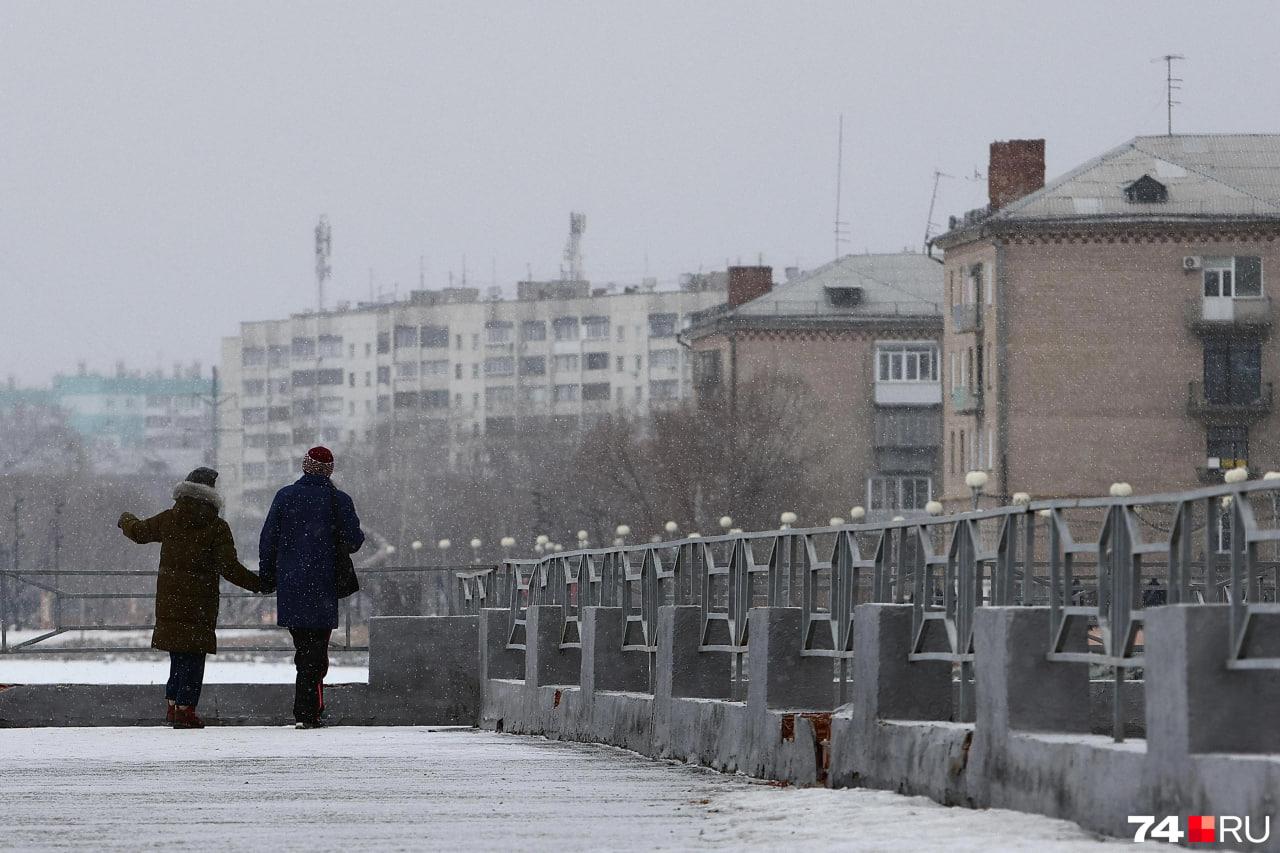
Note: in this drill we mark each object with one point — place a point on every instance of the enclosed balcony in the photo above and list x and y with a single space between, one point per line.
1224 315
1234 402
966 317
966 399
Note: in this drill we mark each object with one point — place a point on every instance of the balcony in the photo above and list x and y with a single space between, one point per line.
966 318
966 400
889 393
1230 407
1218 315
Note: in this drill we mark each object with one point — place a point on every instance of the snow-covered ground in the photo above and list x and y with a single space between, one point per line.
422 789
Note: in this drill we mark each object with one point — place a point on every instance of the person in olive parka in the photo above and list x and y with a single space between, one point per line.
196 548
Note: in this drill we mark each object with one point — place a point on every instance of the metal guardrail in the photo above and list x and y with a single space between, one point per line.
385 590
1086 559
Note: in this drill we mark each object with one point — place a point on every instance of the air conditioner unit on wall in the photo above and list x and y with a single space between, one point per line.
1191 262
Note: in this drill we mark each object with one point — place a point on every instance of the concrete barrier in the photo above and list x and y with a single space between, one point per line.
1212 746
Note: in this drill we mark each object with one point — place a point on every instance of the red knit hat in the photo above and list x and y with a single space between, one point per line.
319 460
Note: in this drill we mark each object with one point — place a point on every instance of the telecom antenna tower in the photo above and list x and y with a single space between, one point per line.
573 249
324 246
841 230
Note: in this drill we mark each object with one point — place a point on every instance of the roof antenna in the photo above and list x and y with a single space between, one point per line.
929 224
841 229
1170 85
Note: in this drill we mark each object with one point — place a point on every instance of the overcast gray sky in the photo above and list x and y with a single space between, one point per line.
162 165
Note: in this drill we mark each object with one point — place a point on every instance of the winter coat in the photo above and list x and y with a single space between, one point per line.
195 549
298 550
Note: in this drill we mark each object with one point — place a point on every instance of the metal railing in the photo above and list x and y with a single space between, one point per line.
1100 562
385 591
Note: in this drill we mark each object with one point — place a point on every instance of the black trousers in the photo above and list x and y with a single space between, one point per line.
186 677
311 659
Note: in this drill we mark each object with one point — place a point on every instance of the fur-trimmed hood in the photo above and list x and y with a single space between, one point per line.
199 492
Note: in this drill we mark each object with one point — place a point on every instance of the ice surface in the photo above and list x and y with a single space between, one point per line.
74 669
422 789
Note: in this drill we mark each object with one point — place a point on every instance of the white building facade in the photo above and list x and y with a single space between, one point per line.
345 378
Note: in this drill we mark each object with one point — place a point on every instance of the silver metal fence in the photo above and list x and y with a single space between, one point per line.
1100 562
385 591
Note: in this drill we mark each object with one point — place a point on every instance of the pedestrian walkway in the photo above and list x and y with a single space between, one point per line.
356 789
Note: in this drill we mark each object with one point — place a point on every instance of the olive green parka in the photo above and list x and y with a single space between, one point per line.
196 548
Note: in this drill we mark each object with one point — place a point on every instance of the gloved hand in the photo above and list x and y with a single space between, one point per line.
126 517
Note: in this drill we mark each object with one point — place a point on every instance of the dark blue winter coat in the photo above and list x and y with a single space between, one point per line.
297 550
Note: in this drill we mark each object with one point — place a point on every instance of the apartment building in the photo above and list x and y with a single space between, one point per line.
1115 323
130 422
454 366
862 333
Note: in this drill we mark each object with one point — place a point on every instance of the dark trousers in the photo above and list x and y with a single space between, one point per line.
311 659
186 677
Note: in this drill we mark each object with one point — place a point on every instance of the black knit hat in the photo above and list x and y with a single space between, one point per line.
204 476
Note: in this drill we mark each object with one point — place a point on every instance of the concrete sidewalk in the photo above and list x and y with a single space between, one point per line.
423 789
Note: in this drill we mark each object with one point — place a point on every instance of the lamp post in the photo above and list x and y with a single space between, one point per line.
933 508
622 531
475 550
725 522
856 514
583 539
787 519
671 527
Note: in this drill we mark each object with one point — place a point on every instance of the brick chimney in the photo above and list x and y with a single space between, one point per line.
747 283
1016 169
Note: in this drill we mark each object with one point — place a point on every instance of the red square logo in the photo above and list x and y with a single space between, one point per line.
1200 829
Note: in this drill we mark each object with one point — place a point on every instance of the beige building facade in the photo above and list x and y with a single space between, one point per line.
1115 324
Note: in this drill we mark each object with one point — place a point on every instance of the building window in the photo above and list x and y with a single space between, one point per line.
434 336
436 367
254 387
406 399
597 328
407 370
1238 277
304 348
597 361
384 343
256 441
437 399
533 365
1227 446
475 370
499 395
352 379
255 470
534 394
277 355
502 366
664 359
497 332
278 386
565 328
1232 372
329 376
951 465
330 405
565 362
662 325
899 492
384 403
457 370
565 393
331 346
384 375
253 416
619 363
303 378
253 356
304 408
622 333
533 330
406 336
907 363
595 391
664 389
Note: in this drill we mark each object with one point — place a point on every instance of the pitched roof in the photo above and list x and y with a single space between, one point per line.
1207 175
904 283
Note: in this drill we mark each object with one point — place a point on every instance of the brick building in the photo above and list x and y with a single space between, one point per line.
1114 324
862 333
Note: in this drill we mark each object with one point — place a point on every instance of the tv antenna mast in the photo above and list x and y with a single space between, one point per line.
1170 86
324 246
841 229
573 249
929 224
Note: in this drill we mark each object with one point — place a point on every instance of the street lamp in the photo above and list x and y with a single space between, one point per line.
557 548
583 539
543 540
933 508
976 481
1121 490
857 513
726 522
507 543
671 527
835 521
539 548
391 550
1236 475
475 550
787 519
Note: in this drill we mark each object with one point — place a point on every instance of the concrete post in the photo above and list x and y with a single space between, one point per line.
779 676
605 666
545 663
682 670
1017 688
496 660
1194 703
435 656
887 686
